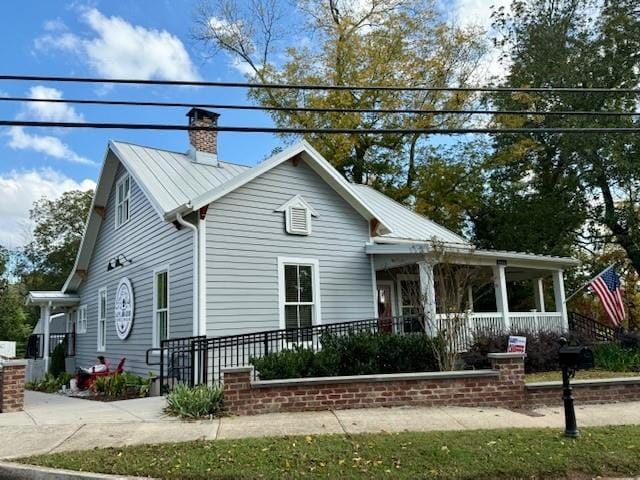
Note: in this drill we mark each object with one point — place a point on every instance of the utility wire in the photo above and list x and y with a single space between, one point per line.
49 78
220 106
294 130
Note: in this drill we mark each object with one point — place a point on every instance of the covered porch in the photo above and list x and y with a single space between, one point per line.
488 291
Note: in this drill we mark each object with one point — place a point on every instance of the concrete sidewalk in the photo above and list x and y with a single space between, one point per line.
52 423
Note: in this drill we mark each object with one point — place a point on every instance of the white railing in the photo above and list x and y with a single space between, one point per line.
472 323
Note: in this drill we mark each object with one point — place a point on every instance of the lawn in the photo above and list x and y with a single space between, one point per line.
580 375
479 454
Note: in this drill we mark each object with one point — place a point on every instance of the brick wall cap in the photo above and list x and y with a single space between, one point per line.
389 377
237 369
585 383
500 356
14 363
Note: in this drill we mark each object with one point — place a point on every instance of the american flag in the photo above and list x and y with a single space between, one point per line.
609 290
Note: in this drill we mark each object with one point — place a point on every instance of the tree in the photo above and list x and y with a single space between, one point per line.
12 316
47 260
570 189
336 42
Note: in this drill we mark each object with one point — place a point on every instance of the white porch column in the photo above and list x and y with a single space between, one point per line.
45 315
559 296
502 300
470 298
538 294
428 293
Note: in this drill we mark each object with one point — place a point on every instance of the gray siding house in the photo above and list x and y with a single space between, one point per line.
185 244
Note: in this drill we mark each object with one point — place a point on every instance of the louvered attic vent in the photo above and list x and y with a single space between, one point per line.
297 215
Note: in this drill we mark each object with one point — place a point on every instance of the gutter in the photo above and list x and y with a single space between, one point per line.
196 272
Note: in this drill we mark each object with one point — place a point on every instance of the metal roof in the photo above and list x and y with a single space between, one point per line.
404 223
172 179
57 298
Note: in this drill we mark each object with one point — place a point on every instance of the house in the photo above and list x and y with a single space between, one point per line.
185 244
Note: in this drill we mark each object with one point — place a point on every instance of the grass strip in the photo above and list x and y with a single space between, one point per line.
472 454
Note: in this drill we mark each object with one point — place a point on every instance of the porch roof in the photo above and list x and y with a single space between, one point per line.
473 255
55 298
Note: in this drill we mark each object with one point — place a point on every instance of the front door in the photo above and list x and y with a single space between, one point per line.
385 306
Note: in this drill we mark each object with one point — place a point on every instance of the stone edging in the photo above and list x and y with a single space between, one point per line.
19 471
602 382
390 377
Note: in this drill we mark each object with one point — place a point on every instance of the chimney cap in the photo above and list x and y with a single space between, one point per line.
196 113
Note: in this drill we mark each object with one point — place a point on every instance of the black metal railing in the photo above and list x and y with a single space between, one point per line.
196 360
592 329
35 344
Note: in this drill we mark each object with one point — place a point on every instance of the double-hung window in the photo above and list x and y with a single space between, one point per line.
102 319
160 306
299 293
81 319
123 187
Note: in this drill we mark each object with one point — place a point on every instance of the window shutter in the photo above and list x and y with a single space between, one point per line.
299 220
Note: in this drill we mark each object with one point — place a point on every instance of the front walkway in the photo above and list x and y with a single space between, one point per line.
52 423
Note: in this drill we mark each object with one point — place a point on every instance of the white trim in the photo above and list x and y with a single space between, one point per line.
81 320
124 177
393 299
374 287
102 346
202 274
317 298
195 263
154 328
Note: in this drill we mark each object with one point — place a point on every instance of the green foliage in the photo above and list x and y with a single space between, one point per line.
49 383
613 357
13 319
356 354
201 401
57 365
121 385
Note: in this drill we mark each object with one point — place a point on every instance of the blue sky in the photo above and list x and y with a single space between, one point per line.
136 39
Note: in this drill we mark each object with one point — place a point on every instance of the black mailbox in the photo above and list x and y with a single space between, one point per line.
576 358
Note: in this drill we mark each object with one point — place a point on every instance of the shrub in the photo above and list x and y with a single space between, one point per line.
195 402
57 365
354 354
122 384
542 350
616 358
49 384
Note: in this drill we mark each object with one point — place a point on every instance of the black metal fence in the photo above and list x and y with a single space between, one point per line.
35 344
200 360
592 329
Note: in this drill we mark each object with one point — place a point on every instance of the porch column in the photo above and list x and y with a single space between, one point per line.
470 298
538 294
559 296
45 314
502 300
428 293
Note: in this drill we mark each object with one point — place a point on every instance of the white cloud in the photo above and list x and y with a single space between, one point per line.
19 189
120 49
51 112
19 139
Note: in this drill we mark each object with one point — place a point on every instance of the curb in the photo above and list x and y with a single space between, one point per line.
18 471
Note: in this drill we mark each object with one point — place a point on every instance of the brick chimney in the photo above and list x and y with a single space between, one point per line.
204 143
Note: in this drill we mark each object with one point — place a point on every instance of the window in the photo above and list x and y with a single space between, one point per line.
81 322
297 213
160 306
123 187
299 292
410 299
102 319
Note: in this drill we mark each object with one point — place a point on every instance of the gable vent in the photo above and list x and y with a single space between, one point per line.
299 220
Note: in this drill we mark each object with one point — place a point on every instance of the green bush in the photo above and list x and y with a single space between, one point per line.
195 402
57 365
50 384
616 358
355 354
122 384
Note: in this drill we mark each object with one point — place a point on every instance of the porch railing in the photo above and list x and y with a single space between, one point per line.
35 344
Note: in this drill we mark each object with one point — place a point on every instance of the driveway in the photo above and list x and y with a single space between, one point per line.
53 423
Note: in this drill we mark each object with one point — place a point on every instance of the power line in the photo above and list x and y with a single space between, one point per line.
297 130
202 83
220 106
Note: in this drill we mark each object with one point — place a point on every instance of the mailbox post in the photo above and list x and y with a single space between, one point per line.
572 359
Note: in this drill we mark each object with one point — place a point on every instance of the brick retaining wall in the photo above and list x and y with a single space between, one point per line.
500 387
584 391
12 379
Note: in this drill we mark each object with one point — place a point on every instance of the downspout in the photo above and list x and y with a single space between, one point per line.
196 289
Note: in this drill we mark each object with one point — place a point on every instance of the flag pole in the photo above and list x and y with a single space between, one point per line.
587 283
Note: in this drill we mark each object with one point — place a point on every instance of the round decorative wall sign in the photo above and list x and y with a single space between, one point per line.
124 308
